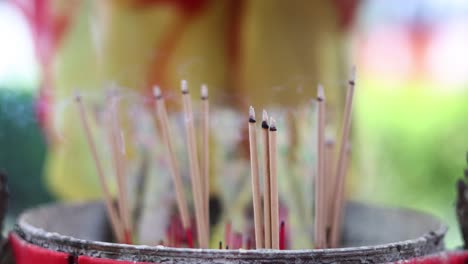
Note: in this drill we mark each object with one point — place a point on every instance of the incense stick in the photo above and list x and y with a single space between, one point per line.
118 151
266 180
319 183
111 211
274 203
194 166
257 203
205 164
335 236
340 169
330 183
174 166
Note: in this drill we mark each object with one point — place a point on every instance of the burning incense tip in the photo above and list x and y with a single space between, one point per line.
157 92
329 142
320 93
204 92
251 115
77 96
272 124
184 86
265 120
352 76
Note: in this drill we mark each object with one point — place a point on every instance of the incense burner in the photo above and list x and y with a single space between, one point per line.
78 233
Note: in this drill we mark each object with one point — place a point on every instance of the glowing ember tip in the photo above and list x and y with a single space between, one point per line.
77 96
352 75
265 116
272 123
320 93
204 91
184 86
251 114
157 92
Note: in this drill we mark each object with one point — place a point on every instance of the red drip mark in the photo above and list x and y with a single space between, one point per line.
189 236
250 233
237 241
249 243
128 237
177 236
282 237
284 234
227 233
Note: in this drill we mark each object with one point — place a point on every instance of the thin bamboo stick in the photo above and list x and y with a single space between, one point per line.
205 165
340 167
174 166
336 236
320 240
274 186
118 152
194 166
111 211
330 183
256 196
266 180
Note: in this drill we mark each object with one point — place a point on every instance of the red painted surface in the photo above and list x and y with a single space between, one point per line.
449 257
26 253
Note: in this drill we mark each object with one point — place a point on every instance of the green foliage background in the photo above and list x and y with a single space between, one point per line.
410 144
22 150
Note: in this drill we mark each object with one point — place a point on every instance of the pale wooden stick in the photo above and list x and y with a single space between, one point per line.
336 236
118 151
330 183
206 154
194 166
163 120
320 240
340 167
111 211
266 180
274 186
256 196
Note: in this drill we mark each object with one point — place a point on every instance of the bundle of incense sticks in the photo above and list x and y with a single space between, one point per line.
267 232
120 221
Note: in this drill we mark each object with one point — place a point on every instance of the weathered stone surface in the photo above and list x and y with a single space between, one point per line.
78 228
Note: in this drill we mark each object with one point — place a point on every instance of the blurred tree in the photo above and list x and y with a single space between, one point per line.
23 150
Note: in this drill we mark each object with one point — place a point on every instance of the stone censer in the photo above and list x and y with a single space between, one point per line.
79 233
